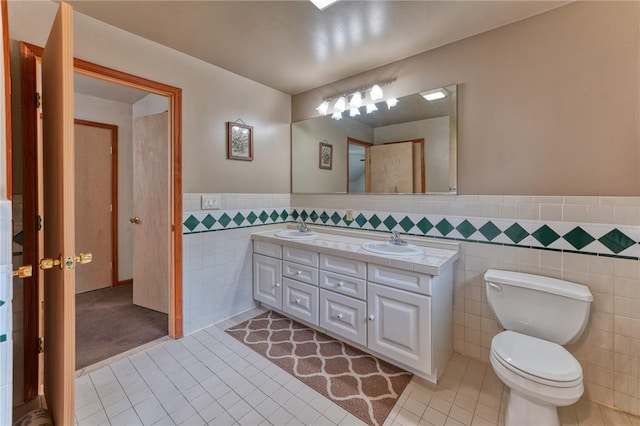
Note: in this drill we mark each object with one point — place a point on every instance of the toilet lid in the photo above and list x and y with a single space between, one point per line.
537 357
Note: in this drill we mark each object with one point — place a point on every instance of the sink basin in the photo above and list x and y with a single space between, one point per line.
294 234
389 249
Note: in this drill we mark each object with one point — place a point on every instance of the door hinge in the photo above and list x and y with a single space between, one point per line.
37 99
38 223
40 345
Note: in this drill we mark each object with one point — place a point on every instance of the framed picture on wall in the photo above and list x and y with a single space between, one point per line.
239 141
326 156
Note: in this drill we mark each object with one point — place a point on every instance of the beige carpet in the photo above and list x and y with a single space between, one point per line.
108 323
365 386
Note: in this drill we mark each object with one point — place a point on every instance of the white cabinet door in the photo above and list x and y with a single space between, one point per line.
344 316
267 284
399 326
300 300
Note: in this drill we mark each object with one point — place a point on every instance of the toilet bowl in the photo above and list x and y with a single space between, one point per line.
541 376
539 315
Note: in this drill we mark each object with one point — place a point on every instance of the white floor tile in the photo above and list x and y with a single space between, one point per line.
211 378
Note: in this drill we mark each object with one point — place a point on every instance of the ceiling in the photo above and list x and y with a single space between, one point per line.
106 90
292 46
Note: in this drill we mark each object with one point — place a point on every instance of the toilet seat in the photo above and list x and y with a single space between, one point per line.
538 360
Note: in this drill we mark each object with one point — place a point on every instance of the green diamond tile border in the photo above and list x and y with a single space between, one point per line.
545 235
578 237
614 241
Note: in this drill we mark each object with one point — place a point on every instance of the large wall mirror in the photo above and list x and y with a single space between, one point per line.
409 149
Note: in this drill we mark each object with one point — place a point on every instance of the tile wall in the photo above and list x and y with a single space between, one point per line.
609 350
589 240
217 268
6 299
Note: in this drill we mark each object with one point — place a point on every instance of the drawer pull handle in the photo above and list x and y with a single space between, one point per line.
277 285
298 301
340 316
340 284
298 272
496 287
372 317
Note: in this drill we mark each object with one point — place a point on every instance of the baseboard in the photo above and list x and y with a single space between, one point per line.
124 282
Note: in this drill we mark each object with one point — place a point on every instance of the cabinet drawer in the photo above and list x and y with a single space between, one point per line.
303 257
354 287
350 267
344 316
303 273
268 249
398 278
300 300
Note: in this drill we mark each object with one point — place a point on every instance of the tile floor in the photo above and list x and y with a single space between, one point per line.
210 378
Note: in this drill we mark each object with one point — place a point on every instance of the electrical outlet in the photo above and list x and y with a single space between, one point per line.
349 215
210 202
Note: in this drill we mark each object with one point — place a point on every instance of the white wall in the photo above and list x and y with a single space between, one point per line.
119 114
211 96
435 132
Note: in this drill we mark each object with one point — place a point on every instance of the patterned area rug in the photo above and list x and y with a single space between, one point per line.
362 384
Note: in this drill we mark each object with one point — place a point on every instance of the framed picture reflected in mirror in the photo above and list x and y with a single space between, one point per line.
326 156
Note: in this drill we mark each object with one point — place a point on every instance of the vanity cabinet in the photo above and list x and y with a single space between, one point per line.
399 325
267 280
399 314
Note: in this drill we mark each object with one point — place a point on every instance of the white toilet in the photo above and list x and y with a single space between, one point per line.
539 315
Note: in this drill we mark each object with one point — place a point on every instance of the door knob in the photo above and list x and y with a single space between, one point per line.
65 263
83 258
23 271
372 317
135 220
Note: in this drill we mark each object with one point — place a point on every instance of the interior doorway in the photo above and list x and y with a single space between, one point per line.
32 200
130 309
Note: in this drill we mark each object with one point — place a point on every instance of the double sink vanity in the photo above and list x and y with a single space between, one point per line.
391 299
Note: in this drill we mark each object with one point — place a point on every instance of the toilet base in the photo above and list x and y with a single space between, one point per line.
522 411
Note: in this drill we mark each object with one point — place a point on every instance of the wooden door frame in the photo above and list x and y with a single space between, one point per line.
353 141
114 191
7 98
29 56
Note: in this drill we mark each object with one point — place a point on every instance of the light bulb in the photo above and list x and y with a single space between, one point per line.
323 107
392 102
371 108
376 93
353 112
337 115
341 104
356 100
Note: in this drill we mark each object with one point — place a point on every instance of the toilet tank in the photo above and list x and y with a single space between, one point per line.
543 307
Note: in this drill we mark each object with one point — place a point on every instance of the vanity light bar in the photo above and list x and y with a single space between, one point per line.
355 100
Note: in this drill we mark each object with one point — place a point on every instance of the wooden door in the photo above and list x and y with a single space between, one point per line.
151 206
398 325
59 217
94 179
389 168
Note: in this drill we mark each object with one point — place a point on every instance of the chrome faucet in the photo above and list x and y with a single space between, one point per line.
396 240
302 227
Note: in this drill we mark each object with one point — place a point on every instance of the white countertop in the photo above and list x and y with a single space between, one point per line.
348 244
